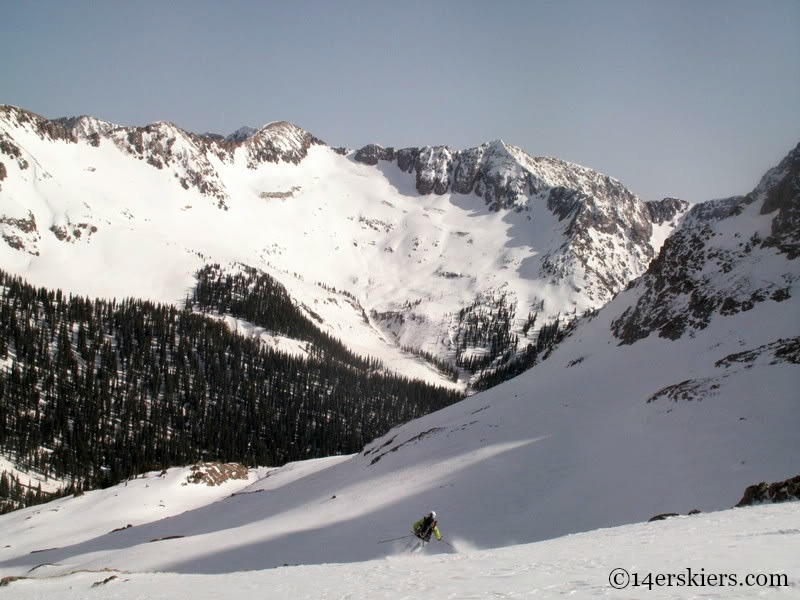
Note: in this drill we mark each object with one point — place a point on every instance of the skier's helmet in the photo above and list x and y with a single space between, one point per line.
432 514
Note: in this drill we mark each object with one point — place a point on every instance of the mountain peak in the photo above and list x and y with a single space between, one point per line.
279 141
241 134
280 128
705 269
44 127
497 145
608 231
85 126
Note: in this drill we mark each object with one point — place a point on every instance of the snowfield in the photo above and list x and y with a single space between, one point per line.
762 542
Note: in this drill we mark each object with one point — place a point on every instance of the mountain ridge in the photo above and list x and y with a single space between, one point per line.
551 237
678 293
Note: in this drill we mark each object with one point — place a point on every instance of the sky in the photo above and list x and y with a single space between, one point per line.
688 99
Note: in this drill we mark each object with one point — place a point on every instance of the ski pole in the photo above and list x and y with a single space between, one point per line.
402 537
449 544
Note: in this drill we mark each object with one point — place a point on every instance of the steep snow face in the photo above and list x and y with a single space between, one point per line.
607 232
134 211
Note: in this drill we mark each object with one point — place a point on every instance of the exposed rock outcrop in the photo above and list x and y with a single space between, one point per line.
279 142
212 474
372 153
783 197
779 491
665 210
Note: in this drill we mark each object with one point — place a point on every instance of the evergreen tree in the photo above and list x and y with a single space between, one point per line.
98 391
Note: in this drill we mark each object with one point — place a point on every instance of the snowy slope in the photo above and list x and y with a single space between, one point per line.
103 210
759 541
148 498
610 429
30 479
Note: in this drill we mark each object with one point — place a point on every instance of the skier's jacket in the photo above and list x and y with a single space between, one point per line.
424 527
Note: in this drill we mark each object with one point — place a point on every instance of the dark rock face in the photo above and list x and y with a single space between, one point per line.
440 170
433 170
8 147
670 277
784 197
607 207
662 211
676 295
407 159
372 153
68 122
467 171
780 491
784 350
21 234
505 177
662 517
606 226
47 129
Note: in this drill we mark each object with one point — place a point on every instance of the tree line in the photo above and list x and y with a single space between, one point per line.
256 297
485 325
94 391
549 336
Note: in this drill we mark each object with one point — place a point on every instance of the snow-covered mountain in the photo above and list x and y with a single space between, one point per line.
386 247
608 231
86 127
677 394
729 256
241 134
636 412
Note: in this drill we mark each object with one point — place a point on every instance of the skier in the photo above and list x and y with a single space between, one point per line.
427 526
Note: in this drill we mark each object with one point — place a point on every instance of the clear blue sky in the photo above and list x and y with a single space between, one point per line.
692 99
